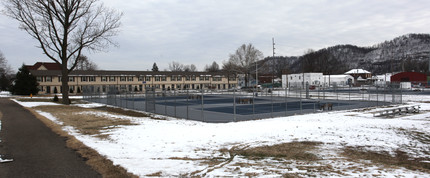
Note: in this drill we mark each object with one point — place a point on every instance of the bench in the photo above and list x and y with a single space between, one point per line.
244 100
397 111
195 97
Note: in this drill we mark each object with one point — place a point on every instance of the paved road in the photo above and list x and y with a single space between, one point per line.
36 150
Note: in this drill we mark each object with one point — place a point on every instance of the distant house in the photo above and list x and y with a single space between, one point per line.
361 76
356 73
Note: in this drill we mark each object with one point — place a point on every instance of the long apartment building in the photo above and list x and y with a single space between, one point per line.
49 78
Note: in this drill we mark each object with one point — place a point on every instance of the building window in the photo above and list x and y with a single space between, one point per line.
92 79
122 79
157 78
179 78
111 79
207 78
83 79
123 87
71 79
201 78
49 79
104 79
193 78
216 78
173 78
130 79
187 78
140 78
39 79
163 78
148 78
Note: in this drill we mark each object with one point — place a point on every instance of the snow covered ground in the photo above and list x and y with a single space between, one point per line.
176 147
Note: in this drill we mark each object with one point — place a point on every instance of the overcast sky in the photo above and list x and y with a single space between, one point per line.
202 31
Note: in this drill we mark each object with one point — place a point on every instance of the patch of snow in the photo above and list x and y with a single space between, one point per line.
90 105
34 104
4 94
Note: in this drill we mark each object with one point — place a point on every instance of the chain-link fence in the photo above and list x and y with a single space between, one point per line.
244 104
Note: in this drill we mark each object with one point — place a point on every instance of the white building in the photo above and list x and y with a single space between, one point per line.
298 80
338 80
317 79
381 80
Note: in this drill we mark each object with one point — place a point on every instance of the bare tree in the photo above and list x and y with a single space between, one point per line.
4 66
64 28
243 60
85 64
193 68
176 66
214 67
190 68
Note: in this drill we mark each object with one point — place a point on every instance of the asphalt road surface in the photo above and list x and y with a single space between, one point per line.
36 150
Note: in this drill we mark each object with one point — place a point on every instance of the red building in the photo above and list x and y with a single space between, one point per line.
413 77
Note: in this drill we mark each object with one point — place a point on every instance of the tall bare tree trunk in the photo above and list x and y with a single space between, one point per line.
64 84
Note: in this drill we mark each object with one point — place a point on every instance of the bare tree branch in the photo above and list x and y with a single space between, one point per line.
64 28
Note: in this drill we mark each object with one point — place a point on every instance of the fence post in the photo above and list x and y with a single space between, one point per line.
188 95
301 104
165 102
174 95
377 96
271 101
234 104
369 93
202 113
349 92
253 100
286 104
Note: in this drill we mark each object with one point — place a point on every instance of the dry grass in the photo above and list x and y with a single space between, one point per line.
122 111
156 174
84 123
98 162
400 159
289 151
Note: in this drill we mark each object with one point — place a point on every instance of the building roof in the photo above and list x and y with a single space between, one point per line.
121 73
338 76
44 66
357 71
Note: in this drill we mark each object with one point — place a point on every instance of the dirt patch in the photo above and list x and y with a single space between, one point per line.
289 151
399 159
89 124
122 111
156 174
